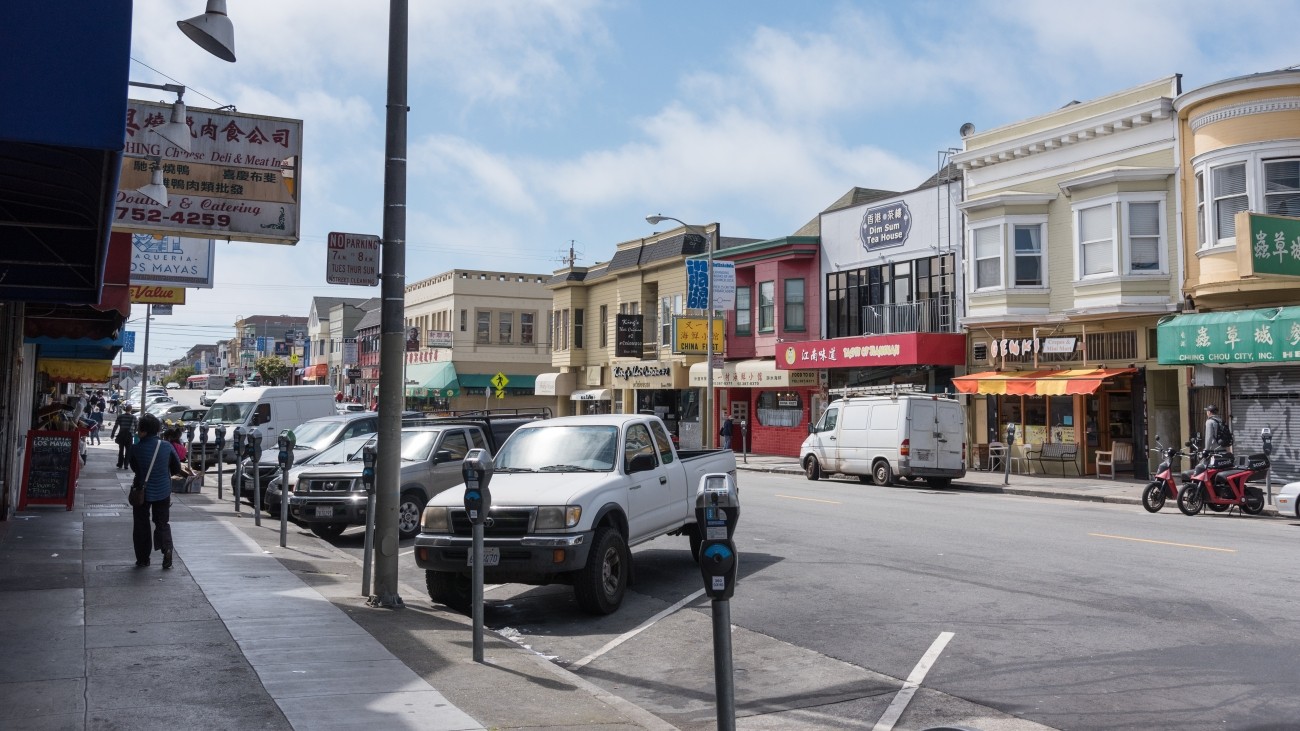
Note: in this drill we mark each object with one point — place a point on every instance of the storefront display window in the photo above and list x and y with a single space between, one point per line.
780 408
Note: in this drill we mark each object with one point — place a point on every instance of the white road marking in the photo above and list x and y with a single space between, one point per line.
913 682
638 630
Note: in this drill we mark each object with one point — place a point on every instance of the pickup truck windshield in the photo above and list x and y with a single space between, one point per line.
348 450
560 448
416 444
317 434
229 413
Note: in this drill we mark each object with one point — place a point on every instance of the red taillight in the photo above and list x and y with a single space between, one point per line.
905 448
963 455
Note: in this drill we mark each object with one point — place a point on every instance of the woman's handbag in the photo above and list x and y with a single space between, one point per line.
136 495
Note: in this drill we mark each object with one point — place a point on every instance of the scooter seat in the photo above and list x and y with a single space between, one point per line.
1231 473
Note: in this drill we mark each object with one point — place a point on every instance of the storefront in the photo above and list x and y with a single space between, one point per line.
913 361
316 373
774 405
658 387
592 401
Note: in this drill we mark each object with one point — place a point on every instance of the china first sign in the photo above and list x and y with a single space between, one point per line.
688 335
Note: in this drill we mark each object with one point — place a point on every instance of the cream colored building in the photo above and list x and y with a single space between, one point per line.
466 326
1072 258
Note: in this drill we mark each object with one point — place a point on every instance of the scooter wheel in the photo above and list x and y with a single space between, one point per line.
1253 504
1190 500
1153 498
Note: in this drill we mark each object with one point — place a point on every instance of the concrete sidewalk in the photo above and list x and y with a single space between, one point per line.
243 634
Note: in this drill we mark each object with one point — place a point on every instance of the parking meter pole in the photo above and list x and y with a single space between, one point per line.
723 684
368 457
717 512
255 457
1006 457
286 443
476 469
1266 436
237 477
744 440
476 592
221 444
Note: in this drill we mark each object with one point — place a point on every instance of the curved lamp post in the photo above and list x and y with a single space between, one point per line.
707 423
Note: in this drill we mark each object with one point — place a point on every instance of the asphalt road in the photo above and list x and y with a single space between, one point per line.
1062 614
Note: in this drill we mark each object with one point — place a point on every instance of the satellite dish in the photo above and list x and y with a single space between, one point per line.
966 130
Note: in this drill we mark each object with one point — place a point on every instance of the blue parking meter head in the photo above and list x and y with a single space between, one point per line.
237 438
189 432
717 506
1011 433
221 435
203 432
368 456
286 442
477 469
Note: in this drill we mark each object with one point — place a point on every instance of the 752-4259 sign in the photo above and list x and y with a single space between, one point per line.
182 218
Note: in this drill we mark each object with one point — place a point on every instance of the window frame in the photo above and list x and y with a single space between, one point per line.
482 327
1214 199
1015 222
604 326
1076 219
999 226
768 309
745 306
1162 242
505 328
1254 156
787 303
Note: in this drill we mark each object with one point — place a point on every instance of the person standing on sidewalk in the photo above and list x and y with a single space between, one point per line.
123 434
97 416
154 462
725 432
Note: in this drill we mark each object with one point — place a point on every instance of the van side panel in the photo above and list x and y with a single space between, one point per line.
851 442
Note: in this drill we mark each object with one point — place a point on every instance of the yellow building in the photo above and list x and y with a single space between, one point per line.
1239 194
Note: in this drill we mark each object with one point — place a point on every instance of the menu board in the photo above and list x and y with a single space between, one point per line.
51 471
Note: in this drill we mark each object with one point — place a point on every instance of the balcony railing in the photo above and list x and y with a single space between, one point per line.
935 315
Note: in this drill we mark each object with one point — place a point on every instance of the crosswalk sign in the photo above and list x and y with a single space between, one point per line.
499 382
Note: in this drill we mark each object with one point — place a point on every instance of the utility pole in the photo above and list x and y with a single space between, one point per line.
392 346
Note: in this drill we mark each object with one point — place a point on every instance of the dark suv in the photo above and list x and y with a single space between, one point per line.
311 437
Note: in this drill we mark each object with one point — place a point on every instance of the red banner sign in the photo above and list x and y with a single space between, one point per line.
947 349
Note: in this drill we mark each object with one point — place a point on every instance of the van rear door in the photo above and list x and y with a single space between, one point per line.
922 434
950 425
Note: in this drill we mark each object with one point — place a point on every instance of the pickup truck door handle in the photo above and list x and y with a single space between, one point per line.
831 438
663 480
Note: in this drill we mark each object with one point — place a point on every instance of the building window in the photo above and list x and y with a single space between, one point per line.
526 328
1029 255
1144 236
604 326
1228 193
780 408
988 257
577 327
1200 209
1282 187
744 311
665 320
464 318
505 327
483 332
564 332
1096 241
766 307
794 306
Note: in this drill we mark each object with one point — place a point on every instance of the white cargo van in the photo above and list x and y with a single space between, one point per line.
881 438
268 410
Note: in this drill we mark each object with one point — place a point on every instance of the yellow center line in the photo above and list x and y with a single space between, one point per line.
1164 543
809 499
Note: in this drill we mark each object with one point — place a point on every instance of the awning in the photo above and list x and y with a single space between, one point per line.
316 370
555 384
97 321
1234 337
62 129
432 380
79 348
484 380
760 373
1038 383
62 370
592 394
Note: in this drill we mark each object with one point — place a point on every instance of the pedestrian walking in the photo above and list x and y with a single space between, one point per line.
725 432
154 462
123 434
97 416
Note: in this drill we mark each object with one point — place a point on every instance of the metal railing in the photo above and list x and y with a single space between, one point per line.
935 315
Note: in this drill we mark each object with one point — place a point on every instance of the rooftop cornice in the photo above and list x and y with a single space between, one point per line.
1006 198
1114 175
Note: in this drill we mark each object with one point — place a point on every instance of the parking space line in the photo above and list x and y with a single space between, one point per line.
913 682
1163 543
636 631
809 499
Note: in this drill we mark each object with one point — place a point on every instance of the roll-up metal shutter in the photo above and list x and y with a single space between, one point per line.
1267 397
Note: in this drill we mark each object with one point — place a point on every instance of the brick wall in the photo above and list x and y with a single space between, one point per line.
776 440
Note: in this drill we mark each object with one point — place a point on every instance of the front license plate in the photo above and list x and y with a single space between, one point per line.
324 511
491 556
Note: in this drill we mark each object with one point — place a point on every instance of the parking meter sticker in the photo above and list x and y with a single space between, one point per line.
719 583
712 533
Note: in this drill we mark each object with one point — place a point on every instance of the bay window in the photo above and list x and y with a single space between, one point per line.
766 307
1096 231
1282 187
794 305
1029 255
1228 193
744 311
988 257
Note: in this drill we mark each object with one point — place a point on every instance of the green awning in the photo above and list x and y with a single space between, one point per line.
484 380
1241 336
432 380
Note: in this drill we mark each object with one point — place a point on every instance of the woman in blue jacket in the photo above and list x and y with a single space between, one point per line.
153 450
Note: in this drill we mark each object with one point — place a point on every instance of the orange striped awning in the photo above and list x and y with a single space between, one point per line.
1038 383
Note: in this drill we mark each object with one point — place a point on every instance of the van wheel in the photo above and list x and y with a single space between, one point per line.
599 586
451 590
939 483
882 474
811 469
409 508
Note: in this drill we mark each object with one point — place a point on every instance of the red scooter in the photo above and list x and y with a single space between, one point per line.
1165 483
1218 484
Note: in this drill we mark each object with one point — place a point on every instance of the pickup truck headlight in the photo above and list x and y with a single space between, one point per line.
435 520
558 517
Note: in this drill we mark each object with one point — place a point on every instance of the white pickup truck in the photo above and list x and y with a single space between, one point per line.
570 496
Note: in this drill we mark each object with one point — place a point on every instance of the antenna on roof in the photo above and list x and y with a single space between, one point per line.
572 257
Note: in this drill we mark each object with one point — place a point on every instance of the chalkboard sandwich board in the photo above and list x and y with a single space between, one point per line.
50 474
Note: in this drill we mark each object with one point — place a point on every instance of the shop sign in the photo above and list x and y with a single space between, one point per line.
160 309
1251 336
412 339
424 356
688 335
628 335
697 284
153 294
1274 246
876 350
438 339
751 375
1027 346
350 350
176 260
654 374
885 226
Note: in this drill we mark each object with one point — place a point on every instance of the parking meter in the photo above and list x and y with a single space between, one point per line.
1011 434
369 456
189 433
286 442
744 440
1006 458
477 470
1266 436
254 447
237 481
221 444
717 511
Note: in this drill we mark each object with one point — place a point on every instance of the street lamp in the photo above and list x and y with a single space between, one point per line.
707 422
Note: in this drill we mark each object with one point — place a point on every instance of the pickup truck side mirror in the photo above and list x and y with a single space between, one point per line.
442 455
641 463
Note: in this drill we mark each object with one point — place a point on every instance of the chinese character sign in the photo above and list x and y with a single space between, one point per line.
1247 336
1275 244
885 226
689 338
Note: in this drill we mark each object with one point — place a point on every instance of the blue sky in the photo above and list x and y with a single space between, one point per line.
538 122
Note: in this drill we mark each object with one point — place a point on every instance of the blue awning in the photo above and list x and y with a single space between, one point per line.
79 348
432 380
62 131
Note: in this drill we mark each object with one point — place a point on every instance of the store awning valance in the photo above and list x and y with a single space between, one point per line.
1225 338
79 348
555 384
1038 383
756 373
484 380
591 394
72 370
432 379
316 371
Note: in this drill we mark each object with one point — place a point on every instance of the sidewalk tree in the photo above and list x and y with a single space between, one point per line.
272 370
180 375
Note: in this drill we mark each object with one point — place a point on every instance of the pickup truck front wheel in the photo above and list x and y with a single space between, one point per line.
600 585
451 590
409 508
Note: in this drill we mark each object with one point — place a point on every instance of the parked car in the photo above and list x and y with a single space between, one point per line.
173 384
569 498
881 438
166 410
310 437
348 407
192 416
210 396
1287 500
348 450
